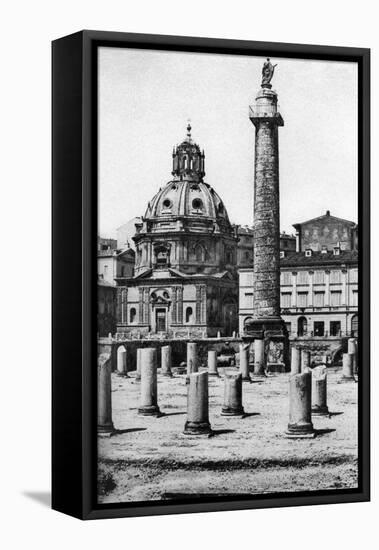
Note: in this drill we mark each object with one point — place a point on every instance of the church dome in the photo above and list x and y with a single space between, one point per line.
187 195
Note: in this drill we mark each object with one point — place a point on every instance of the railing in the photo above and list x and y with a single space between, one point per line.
263 110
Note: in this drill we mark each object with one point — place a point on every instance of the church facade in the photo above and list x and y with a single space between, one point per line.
185 281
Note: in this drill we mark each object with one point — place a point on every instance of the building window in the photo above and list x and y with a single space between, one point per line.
335 276
354 326
302 299
288 327
197 204
286 299
167 203
189 315
319 277
302 326
355 298
302 277
105 270
354 276
335 328
249 299
132 315
319 299
286 278
335 298
318 328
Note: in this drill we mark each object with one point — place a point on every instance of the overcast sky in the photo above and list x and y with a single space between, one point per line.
146 98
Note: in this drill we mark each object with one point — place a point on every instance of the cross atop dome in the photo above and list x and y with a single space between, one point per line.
189 128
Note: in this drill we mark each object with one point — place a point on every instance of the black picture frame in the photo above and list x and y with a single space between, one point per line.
74 205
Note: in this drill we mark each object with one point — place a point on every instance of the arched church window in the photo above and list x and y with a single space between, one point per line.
132 315
189 315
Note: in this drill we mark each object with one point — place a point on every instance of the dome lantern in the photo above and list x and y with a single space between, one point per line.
188 160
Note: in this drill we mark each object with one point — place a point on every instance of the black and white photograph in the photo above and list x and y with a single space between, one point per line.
227 276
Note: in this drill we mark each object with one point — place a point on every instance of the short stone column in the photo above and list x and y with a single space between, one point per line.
300 416
212 363
166 361
295 360
244 362
137 378
259 358
319 391
232 395
348 366
122 367
192 361
352 348
197 405
218 334
149 390
104 395
305 360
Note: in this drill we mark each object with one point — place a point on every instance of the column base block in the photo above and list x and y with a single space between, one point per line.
152 410
300 431
229 411
320 411
197 428
105 431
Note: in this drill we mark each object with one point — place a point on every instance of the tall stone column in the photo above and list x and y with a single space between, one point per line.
267 322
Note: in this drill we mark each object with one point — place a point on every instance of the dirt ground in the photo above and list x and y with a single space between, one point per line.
149 459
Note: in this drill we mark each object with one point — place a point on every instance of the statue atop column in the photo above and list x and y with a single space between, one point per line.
267 73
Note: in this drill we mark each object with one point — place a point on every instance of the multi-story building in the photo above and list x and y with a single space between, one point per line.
319 281
113 262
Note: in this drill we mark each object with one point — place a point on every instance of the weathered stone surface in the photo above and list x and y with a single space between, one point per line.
212 363
348 366
192 358
295 360
232 395
352 348
138 369
319 391
104 395
197 405
149 389
300 416
244 356
305 360
122 367
259 358
166 362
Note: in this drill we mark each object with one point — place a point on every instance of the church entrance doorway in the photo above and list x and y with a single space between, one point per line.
160 320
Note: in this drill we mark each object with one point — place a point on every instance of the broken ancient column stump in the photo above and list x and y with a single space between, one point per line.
295 360
300 416
232 395
137 378
197 423
104 395
122 367
149 389
352 348
192 360
259 358
166 362
244 362
319 392
305 360
212 363
348 366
